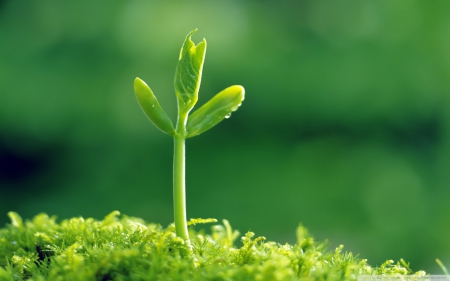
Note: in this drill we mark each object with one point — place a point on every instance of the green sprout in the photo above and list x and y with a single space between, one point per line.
187 84
442 266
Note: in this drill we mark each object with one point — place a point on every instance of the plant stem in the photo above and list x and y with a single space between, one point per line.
179 189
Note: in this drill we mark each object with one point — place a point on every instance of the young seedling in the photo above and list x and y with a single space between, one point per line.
188 75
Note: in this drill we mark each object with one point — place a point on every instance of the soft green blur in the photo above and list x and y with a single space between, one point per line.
345 127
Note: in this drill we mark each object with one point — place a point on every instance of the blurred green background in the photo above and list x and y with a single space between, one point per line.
345 127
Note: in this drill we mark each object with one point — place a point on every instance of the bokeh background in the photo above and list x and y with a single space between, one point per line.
345 127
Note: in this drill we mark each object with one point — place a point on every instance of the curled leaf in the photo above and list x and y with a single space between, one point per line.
215 110
189 73
151 107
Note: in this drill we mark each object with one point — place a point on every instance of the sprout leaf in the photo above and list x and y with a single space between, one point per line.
151 107
215 110
189 72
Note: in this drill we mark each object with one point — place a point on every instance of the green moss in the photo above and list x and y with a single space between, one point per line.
126 248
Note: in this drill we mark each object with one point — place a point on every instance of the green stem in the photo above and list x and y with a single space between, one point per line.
179 189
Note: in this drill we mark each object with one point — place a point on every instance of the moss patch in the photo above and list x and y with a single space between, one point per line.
127 248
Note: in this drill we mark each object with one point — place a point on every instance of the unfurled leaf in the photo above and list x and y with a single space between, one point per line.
215 110
151 107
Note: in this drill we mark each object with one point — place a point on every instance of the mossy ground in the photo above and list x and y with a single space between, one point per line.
126 248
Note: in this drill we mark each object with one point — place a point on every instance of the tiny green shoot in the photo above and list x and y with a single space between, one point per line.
188 76
442 266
